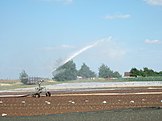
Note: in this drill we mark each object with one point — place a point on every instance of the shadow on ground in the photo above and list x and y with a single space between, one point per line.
139 114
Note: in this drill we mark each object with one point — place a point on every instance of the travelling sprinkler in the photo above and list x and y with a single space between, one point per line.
40 89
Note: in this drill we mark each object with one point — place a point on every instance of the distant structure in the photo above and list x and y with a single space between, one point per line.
79 77
127 74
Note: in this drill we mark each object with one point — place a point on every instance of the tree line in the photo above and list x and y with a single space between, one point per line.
69 72
145 72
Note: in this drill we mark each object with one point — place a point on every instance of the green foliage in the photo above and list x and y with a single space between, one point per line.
150 78
66 72
134 72
160 73
144 73
106 72
23 77
116 75
85 72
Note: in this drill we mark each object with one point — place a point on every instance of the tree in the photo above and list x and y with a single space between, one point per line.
85 72
116 75
66 72
134 72
105 72
160 73
148 72
23 77
141 73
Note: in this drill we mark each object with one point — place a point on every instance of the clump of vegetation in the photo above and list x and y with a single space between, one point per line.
151 78
144 75
66 72
146 72
85 72
23 77
106 72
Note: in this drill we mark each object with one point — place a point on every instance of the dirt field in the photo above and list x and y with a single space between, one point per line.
84 101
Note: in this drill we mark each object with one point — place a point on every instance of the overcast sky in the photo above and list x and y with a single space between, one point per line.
35 35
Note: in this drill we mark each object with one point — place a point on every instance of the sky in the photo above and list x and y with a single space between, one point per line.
36 35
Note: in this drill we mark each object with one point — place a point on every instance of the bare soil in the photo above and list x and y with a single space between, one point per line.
89 101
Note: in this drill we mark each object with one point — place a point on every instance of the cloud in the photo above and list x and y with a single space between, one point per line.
118 16
147 41
154 2
107 50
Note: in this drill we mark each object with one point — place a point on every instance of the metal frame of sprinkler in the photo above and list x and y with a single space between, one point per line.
39 90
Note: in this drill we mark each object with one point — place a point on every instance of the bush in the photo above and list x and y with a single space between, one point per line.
23 77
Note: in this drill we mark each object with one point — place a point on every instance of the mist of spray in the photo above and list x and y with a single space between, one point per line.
79 52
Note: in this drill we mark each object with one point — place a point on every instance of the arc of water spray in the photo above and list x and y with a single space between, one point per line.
81 51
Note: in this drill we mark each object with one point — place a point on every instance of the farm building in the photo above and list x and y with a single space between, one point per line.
127 74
